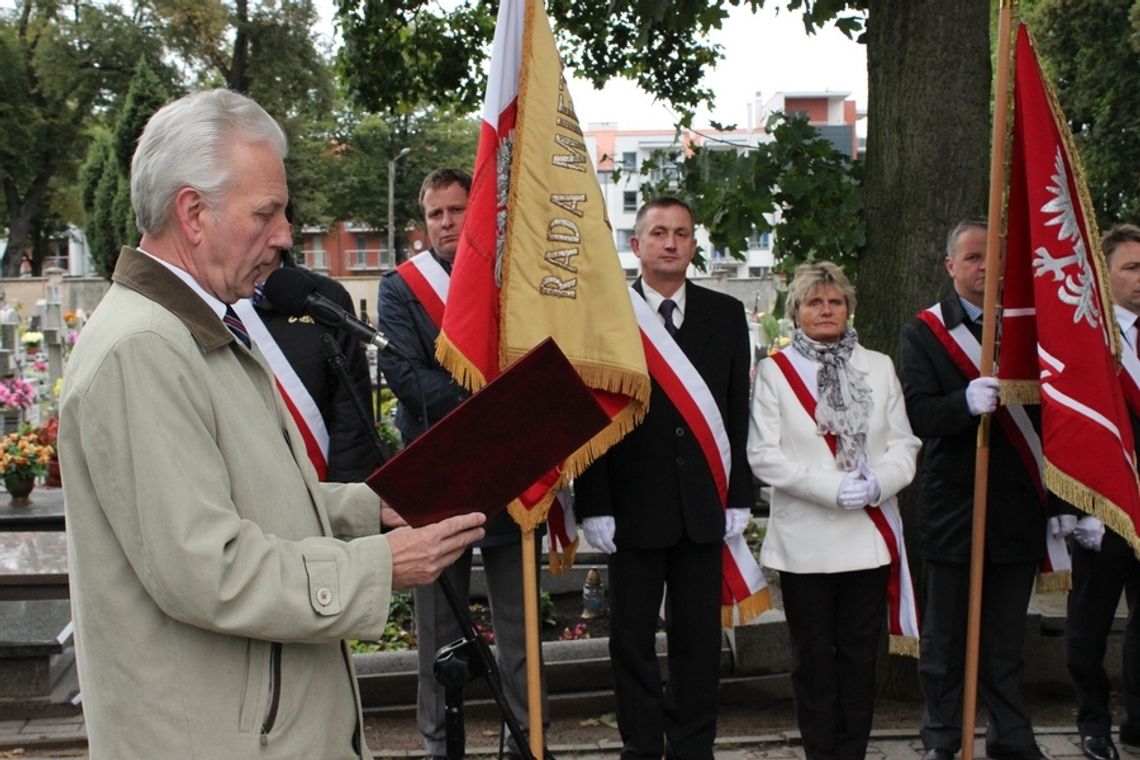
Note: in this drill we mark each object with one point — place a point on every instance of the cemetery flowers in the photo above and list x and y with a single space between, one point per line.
24 455
32 338
17 393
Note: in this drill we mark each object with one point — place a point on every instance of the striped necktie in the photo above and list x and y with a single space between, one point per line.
236 326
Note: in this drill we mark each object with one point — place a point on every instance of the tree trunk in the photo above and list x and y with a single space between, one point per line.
929 72
927 166
19 236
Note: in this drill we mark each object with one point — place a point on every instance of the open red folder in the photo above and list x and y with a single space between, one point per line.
494 445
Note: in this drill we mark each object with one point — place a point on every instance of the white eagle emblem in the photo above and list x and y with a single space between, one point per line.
1077 288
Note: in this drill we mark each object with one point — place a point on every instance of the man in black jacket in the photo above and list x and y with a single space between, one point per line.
339 439
944 398
651 503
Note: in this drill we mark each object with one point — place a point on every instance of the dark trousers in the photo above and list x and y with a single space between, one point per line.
679 719
941 667
835 621
1098 579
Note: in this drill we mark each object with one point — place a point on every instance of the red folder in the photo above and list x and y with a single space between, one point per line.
494 445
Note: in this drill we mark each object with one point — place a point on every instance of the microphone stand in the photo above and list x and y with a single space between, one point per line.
466 658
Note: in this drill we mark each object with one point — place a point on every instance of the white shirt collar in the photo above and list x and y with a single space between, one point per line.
1126 320
212 301
654 299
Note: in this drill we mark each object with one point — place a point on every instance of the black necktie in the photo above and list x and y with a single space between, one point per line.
975 327
666 309
236 326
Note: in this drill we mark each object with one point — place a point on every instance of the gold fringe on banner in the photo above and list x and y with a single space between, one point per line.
561 562
747 610
461 368
1058 580
1087 500
907 646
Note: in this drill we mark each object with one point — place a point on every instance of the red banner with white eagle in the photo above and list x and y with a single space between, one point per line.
1059 339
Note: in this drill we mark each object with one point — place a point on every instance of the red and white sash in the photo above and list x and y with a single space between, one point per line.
902 608
744 592
966 353
296 396
429 283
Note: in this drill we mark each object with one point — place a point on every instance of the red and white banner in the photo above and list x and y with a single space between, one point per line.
1058 326
744 592
902 607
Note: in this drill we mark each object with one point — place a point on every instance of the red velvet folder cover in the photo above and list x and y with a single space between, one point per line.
494 445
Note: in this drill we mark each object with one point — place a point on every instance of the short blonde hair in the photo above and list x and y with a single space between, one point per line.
813 275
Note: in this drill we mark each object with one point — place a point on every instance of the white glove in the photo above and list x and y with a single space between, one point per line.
1089 532
982 395
854 492
874 489
1062 525
735 521
600 533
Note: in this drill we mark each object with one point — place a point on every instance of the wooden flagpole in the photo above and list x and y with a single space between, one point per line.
533 644
994 243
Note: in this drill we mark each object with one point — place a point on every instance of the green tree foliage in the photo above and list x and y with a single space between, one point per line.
368 142
62 65
735 191
146 95
95 178
1091 51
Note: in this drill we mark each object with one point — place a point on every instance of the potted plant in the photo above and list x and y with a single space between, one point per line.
32 340
16 396
23 458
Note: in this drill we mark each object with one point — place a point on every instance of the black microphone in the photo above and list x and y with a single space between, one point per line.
291 291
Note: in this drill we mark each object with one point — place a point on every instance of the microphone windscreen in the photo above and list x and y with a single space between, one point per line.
288 289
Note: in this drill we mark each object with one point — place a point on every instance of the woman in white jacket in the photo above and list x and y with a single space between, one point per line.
829 434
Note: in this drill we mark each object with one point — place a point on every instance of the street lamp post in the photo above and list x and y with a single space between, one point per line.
392 203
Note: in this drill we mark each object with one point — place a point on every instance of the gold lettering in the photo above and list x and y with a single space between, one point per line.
571 234
569 202
563 259
552 286
576 159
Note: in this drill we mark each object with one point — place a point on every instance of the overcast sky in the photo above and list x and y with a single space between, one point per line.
766 52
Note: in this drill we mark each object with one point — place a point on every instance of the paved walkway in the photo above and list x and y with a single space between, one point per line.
51 738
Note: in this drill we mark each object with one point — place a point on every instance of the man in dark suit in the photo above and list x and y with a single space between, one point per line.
411 302
944 406
349 455
1103 563
651 503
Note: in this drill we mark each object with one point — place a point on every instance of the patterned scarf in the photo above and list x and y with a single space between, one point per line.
844 405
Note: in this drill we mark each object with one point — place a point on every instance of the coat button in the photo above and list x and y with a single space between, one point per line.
680 461
831 517
324 597
680 431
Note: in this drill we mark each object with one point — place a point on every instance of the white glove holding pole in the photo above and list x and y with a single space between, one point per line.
854 492
1062 525
1089 533
982 395
735 521
600 533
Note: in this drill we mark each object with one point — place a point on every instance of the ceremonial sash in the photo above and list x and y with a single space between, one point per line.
429 283
1130 378
744 592
966 353
902 608
296 396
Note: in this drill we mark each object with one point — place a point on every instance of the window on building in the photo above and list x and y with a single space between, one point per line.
360 260
629 200
761 240
623 236
315 257
629 161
